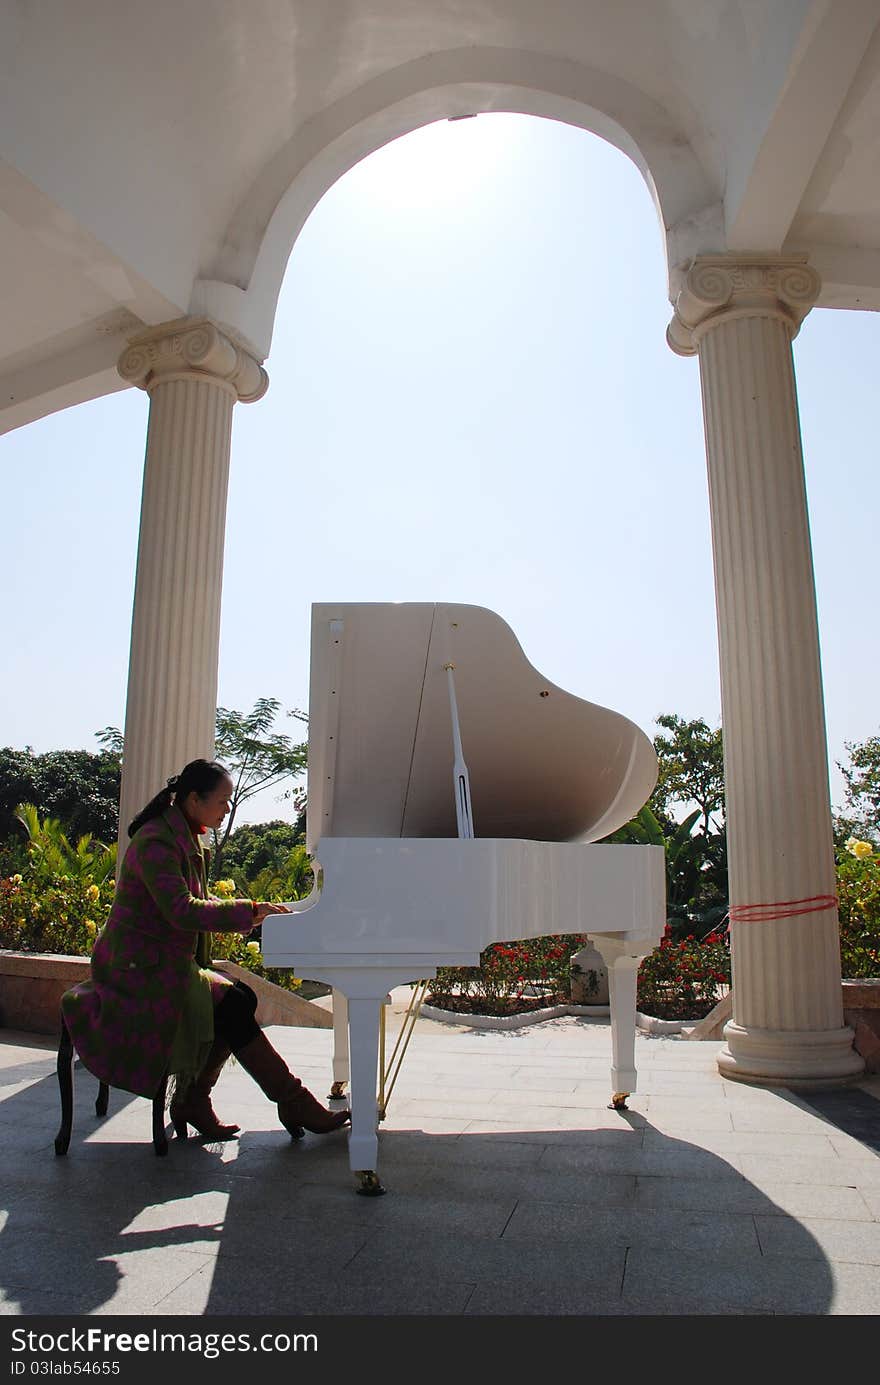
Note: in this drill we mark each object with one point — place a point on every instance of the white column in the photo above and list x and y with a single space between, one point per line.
194 373
740 315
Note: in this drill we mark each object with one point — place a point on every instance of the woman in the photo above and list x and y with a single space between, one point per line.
152 1005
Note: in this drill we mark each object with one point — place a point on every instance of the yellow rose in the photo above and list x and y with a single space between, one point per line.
93 892
224 888
253 947
90 927
16 879
861 850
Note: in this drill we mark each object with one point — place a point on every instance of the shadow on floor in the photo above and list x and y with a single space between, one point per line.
545 1222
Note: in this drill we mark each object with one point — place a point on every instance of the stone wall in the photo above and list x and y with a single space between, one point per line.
861 1011
32 984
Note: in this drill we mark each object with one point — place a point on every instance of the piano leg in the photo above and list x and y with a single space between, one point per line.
360 992
341 1069
363 1142
623 970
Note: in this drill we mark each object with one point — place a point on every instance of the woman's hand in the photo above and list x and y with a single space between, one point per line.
261 911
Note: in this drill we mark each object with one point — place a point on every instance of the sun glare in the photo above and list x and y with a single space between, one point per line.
436 167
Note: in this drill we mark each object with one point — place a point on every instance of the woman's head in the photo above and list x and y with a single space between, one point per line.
201 790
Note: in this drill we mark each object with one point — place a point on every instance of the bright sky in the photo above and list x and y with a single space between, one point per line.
471 400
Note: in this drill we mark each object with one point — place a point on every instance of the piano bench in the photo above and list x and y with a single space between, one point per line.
66 1057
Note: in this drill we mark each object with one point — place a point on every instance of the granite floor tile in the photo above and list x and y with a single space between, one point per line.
672 1159
540 1132
119 1281
416 1148
405 1118
833 1172
674 1105
49 1302
210 1293
872 1201
507 1187
855 1243
847 1147
695 1118
735 1195
767 1286
437 1253
500 1298
677 1230
736 1142
780 1119
411 1206
512 1100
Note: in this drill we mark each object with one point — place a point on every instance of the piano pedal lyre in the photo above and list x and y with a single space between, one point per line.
369 1183
618 1102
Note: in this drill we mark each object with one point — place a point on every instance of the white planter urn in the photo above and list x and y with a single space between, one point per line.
589 977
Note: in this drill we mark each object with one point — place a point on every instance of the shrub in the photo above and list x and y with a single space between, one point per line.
52 912
858 892
61 896
44 910
684 979
514 975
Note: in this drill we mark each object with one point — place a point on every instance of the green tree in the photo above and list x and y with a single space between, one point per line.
695 897
861 814
256 847
691 767
690 772
79 788
256 756
292 880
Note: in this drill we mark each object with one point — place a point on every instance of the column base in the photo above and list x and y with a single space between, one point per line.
801 1058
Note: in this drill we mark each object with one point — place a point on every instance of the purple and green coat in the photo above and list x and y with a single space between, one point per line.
123 1021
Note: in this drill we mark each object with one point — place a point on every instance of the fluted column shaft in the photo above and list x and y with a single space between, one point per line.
740 315
194 374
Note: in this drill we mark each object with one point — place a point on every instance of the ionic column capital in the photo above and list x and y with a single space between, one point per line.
718 288
193 348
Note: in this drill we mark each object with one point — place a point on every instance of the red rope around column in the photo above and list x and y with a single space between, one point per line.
782 909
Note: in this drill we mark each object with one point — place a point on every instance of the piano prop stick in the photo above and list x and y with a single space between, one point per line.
463 812
404 881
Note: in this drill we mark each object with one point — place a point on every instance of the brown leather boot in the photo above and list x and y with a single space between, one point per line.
296 1105
194 1107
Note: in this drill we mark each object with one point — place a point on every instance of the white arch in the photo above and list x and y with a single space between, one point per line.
242 284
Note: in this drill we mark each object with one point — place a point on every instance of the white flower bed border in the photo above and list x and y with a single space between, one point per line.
647 1023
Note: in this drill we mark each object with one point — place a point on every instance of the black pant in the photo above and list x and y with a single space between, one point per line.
234 1021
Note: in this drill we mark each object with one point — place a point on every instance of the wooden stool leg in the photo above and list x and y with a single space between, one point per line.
65 1084
102 1100
160 1141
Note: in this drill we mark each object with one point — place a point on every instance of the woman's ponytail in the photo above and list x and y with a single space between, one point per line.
154 809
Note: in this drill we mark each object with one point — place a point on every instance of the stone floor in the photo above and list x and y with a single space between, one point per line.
512 1189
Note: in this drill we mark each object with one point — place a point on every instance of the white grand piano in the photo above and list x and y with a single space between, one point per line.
452 795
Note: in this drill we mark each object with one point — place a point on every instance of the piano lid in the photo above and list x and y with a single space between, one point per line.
544 765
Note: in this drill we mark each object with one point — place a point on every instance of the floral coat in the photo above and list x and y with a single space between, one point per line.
123 1021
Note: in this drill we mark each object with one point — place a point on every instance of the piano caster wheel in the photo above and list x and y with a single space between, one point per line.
337 1092
370 1185
296 1132
618 1102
